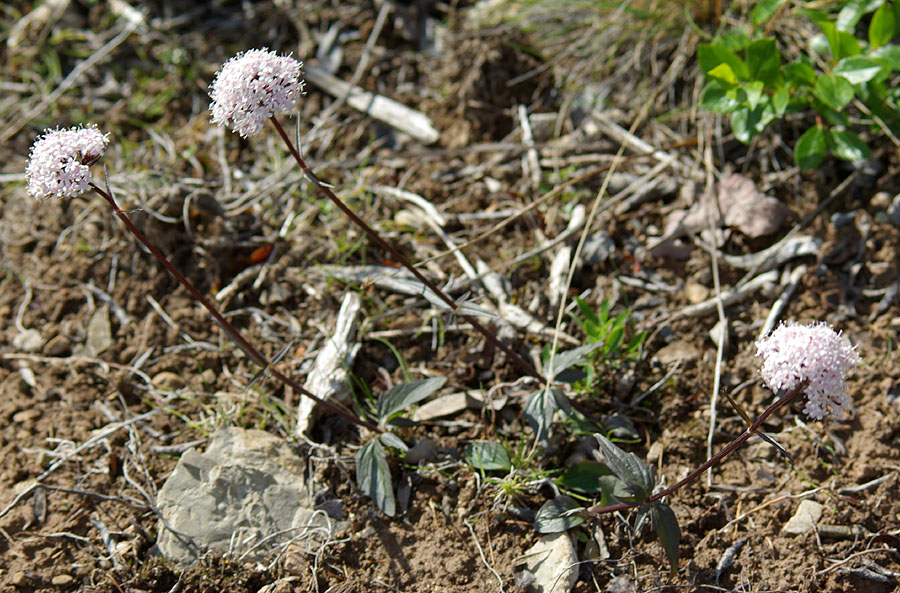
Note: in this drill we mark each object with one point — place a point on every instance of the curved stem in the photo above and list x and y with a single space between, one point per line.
729 448
254 354
373 234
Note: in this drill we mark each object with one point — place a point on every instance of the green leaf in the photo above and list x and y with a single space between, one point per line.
487 456
841 43
584 476
754 93
667 529
847 146
539 410
858 69
402 396
711 55
780 100
723 74
833 90
764 61
569 358
389 439
811 148
763 11
889 54
374 477
747 123
881 29
800 73
636 474
558 515
853 11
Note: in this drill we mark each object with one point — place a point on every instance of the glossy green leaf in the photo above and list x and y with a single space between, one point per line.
811 148
558 515
763 11
800 73
487 456
841 43
847 145
666 525
852 11
889 54
754 93
882 26
858 69
724 75
780 100
711 55
833 90
764 61
373 476
404 395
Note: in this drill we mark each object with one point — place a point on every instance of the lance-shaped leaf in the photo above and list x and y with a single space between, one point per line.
667 529
559 514
373 476
404 395
539 411
564 360
637 475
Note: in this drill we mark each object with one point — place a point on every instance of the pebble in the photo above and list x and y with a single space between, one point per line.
58 346
18 579
677 350
62 580
880 201
695 292
808 514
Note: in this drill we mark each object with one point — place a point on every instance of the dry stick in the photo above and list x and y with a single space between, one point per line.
750 431
232 332
488 335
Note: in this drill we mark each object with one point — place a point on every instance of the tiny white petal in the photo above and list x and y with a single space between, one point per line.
816 353
253 86
60 160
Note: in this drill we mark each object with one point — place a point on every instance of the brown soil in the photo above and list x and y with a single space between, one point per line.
101 436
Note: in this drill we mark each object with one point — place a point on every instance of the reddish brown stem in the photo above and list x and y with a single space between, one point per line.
254 354
373 234
729 448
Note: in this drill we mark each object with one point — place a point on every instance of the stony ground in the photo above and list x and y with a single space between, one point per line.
110 372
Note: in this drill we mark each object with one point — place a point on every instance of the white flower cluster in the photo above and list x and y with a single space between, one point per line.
252 87
60 160
816 353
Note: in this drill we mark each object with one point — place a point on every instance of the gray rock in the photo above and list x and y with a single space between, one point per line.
893 211
808 514
421 451
553 561
245 495
99 331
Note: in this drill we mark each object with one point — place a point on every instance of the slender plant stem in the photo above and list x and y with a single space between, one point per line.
729 448
254 354
373 234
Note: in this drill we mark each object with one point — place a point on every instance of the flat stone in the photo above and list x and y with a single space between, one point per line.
246 493
808 514
62 580
421 451
58 346
99 331
553 561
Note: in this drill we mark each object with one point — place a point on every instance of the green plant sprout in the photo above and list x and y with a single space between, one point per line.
749 80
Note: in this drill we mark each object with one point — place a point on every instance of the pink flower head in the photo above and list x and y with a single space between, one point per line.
816 353
252 87
60 161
